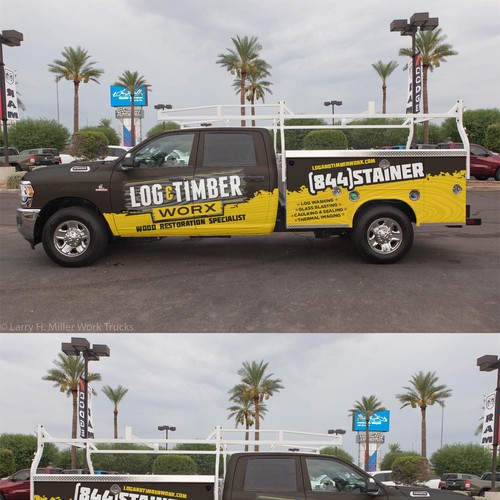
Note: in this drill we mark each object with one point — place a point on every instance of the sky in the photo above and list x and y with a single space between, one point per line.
183 380
319 50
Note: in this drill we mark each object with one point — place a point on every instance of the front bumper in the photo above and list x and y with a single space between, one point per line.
26 220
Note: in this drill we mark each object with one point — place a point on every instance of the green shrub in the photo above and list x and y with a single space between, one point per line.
7 462
13 180
410 470
492 137
89 145
468 458
325 139
162 127
174 464
42 133
337 452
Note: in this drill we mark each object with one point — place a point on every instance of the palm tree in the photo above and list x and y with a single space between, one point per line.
257 386
115 396
67 374
105 122
132 82
422 393
256 87
367 407
384 71
240 61
243 409
75 67
433 51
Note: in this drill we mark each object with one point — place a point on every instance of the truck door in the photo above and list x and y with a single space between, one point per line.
150 193
326 478
232 189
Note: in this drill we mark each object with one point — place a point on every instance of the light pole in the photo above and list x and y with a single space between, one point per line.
422 21
76 347
339 432
11 38
489 363
166 428
333 104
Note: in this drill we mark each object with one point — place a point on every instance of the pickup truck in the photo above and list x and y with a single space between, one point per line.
483 163
226 181
29 158
471 484
263 475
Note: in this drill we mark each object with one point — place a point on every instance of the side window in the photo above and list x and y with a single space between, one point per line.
478 151
22 475
333 476
271 474
172 150
229 150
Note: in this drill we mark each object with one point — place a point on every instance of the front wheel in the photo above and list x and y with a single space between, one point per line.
481 177
383 234
497 174
74 237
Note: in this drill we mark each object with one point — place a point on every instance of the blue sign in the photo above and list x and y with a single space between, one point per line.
120 96
379 422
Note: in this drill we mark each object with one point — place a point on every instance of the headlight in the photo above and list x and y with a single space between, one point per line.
26 193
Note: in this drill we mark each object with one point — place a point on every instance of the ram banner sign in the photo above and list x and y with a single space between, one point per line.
120 96
379 422
489 421
11 110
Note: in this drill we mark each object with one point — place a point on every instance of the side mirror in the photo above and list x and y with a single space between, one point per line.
372 488
127 163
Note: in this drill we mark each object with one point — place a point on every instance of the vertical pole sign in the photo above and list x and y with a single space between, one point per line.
417 61
81 411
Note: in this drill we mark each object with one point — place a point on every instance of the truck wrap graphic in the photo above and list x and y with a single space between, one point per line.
203 205
327 192
115 488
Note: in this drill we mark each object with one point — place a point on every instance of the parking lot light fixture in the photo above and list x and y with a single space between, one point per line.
333 104
418 21
166 428
339 432
10 38
77 346
489 363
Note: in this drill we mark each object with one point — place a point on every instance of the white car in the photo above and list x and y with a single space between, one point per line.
114 152
384 476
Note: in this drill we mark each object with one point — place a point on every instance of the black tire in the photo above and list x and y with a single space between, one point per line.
481 177
497 174
74 237
383 234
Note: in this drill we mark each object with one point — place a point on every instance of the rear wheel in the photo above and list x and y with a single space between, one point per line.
481 177
383 234
497 174
74 237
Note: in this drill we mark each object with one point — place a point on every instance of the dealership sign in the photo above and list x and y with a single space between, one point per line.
11 111
127 112
488 422
120 96
379 422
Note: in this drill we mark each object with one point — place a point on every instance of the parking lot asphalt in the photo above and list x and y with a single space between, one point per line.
286 282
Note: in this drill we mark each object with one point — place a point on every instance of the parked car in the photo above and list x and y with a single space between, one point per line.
487 476
12 151
17 486
470 484
483 163
384 476
42 156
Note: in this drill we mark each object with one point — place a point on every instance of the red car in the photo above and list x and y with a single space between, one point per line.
483 163
17 486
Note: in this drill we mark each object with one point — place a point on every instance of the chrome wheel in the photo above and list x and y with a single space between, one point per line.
71 238
384 235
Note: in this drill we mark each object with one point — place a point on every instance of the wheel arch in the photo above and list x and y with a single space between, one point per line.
401 205
53 206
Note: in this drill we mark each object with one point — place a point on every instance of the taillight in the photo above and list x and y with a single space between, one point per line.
441 485
32 159
467 484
